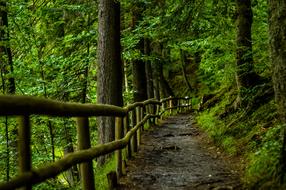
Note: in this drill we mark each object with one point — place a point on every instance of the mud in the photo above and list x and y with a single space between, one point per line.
172 157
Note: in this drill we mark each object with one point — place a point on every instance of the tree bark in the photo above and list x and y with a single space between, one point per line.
156 79
246 77
277 33
183 62
165 89
139 77
109 71
138 65
148 69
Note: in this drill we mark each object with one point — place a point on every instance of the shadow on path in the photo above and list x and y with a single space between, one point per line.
171 157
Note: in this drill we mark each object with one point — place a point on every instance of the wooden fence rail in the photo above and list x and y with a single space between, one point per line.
129 124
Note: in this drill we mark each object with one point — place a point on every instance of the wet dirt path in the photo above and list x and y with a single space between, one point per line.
171 157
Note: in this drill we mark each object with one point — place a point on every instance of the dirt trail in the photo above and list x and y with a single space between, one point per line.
171 157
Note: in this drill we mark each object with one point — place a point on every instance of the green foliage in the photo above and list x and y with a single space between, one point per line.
255 137
54 55
214 127
100 174
218 131
260 39
264 161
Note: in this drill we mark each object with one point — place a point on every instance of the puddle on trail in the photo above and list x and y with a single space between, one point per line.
171 157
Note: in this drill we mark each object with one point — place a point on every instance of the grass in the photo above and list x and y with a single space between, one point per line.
101 172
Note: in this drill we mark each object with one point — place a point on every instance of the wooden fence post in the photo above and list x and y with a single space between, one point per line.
126 130
187 104
142 114
118 153
171 105
178 106
148 110
153 111
24 140
86 169
134 137
157 112
163 107
138 119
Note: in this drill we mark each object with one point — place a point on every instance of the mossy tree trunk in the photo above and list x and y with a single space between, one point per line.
246 77
109 70
138 65
277 33
139 77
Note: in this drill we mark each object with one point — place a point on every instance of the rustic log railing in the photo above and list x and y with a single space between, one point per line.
126 136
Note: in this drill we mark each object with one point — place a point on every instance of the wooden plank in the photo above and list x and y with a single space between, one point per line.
134 138
26 105
138 119
118 153
127 128
86 169
24 149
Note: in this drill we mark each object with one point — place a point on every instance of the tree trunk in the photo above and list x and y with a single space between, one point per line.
246 77
277 32
126 86
183 62
109 71
156 79
138 65
148 69
139 77
165 88
73 172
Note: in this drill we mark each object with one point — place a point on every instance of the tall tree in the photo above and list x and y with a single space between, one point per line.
109 72
184 59
246 77
139 77
138 65
277 32
148 69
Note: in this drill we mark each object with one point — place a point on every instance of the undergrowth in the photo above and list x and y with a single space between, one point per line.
255 136
100 176
101 172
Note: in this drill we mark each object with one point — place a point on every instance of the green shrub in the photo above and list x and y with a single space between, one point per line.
229 145
262 165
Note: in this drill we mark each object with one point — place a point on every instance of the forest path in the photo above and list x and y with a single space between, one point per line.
172 157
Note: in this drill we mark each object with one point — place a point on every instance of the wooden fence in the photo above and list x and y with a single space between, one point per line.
129 122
